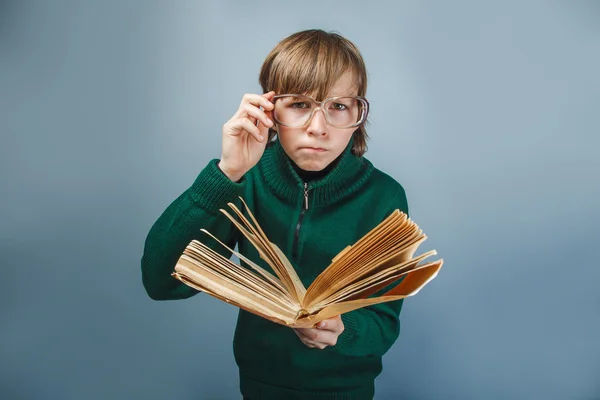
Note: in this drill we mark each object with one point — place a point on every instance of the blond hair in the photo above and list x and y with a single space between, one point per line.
312 61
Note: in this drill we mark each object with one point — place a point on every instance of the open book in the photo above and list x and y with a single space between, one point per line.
378 259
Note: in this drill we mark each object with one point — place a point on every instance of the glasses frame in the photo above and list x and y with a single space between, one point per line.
320 107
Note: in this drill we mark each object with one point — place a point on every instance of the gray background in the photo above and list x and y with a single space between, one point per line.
486 112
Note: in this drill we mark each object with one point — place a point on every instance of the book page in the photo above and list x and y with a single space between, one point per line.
256 236
347 275
238 295
276 282
412 283
373 283
205 261
271 317
382 235
395 238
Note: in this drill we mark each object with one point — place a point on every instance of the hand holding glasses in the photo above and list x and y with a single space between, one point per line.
245 134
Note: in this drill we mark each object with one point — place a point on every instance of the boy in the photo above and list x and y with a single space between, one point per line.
295 155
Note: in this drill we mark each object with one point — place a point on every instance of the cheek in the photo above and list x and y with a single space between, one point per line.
340 141
288 138
289 142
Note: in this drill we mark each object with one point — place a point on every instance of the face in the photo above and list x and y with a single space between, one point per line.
314 146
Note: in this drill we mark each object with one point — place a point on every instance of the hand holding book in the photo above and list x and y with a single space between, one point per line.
323 334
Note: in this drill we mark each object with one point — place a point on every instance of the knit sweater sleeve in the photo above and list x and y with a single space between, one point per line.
371 331
196 208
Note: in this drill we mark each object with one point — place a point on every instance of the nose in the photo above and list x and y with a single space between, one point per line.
318 123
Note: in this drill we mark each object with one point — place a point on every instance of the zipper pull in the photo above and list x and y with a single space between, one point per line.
305 196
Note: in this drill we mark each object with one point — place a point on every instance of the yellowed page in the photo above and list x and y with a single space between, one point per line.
270 277
396 241
341 254
381 233
389 237
416 280
301 290
368 265
267 252
364 271
373 283
289 269
240 296
209 263
181 277
412 283
270 259
204 255
323 280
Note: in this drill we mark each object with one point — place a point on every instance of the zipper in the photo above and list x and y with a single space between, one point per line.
299 224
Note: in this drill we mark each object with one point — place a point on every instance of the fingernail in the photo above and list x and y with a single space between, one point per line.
261 137
269 122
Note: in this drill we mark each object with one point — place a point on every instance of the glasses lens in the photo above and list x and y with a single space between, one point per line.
293 111
342 112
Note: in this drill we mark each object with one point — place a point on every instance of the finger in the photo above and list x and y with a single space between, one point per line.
301 334
304 339
257 100
307 336
334 324
309 333
249 127
319 346
257 114
327 337
269 96
319 336
327 325
256 109
264 129
312 344
320 343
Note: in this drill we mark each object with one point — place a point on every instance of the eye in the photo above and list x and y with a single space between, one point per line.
299 104
339 106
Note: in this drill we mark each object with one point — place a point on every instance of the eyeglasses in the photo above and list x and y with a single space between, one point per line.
296 110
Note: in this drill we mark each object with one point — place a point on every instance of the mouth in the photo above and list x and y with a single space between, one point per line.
316 149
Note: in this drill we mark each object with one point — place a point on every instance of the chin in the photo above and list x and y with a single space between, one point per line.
312 168
311 165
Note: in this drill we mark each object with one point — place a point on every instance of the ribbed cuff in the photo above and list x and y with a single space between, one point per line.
212 189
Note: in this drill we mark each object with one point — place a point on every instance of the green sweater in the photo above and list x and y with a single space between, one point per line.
342 206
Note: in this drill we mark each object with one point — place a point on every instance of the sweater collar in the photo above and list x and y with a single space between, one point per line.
279 174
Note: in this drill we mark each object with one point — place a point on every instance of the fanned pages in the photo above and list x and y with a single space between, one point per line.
354 279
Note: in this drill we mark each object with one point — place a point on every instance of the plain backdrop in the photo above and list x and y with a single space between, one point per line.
486 112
